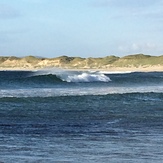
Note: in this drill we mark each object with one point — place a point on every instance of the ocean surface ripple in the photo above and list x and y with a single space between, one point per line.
81 116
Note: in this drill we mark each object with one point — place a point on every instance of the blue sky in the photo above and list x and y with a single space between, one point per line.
85 28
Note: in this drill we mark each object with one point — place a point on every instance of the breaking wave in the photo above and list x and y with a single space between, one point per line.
71 76
86 77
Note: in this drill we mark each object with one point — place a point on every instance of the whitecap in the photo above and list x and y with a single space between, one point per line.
86 77
75 76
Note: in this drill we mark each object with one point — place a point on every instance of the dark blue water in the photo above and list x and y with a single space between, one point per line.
66 116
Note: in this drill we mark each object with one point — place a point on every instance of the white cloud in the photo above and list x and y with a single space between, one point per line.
140 48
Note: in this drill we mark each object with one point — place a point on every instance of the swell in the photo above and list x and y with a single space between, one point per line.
138 78
38 78
74 76
52 76
151 96
87 76
49 78
98 113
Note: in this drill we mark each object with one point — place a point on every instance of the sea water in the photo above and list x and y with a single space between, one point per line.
81 116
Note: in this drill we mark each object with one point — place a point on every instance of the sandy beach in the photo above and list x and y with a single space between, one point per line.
110 69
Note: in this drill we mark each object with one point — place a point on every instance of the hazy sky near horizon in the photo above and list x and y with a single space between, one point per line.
85 28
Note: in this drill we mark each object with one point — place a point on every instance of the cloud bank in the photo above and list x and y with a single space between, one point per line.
147 47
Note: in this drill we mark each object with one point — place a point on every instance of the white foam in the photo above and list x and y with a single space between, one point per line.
75 76
87 77
115 72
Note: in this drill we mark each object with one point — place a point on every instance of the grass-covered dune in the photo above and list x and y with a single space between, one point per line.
139 60
134 61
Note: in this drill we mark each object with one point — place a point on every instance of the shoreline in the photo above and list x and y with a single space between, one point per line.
110 69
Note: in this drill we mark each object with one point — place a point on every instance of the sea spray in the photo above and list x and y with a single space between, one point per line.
74 76
86 77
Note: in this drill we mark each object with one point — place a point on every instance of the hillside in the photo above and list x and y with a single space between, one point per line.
108 62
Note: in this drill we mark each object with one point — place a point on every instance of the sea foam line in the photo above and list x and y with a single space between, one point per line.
73 91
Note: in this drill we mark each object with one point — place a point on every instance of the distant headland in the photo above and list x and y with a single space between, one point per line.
136 62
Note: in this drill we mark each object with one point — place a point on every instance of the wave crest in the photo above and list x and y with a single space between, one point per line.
86 77
75 76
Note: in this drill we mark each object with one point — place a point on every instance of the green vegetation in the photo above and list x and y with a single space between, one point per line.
136 56
135 60
31 59
2 59
138 60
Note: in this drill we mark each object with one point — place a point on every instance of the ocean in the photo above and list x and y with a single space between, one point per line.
55 115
